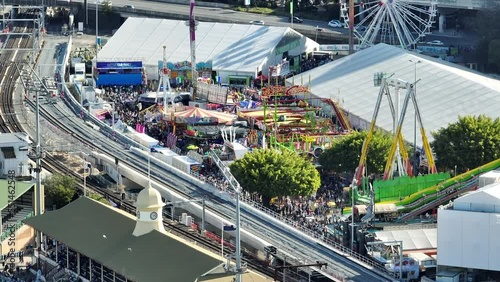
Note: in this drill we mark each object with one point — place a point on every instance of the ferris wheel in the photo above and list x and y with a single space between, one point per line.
394 22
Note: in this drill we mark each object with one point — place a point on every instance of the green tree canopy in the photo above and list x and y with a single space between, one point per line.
60 188
345 152
272 173
468 143
488 29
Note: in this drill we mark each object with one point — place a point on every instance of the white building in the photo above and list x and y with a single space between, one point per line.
468 231
14 153
222 49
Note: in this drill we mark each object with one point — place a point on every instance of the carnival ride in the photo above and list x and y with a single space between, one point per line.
432 196
290 120
398 154
394 22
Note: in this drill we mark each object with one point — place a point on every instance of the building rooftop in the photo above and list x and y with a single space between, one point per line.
104 234
418 239
445 90
486 200
8 138
241 47
19 187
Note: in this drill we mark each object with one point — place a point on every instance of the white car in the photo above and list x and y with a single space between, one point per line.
435 42
257 22
335 23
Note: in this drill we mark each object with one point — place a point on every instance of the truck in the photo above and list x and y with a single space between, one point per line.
79 72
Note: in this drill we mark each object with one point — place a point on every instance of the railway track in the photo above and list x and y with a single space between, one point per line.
52 164
8 76
10 123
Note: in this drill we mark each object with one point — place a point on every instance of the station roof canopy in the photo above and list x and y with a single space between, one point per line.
418 239
241 47
104 234
19 188
445 90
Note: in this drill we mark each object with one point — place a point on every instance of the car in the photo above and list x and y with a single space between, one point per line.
257 22
296 19
435 42
335 23
320 29
129 7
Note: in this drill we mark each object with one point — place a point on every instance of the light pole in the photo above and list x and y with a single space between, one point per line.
96 30
85 167
415 62
237 191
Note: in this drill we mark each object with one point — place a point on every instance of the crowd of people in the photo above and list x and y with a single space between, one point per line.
314 212
314 62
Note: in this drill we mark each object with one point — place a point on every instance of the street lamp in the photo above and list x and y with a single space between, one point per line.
85 167
237 191
96 30
415 62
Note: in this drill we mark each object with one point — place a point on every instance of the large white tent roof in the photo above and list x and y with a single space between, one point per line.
241 47
445 90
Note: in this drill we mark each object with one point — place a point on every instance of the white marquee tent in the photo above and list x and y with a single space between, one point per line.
445 90
231 48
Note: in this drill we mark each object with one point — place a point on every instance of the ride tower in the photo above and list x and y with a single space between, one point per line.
398 155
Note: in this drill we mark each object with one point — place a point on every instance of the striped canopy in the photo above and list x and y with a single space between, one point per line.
201 113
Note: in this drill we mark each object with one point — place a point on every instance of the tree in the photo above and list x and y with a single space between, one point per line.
488 23
494 54
60 188
468 143
345 152
272 173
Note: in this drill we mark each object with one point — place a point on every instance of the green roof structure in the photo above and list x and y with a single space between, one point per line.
104 234
16 188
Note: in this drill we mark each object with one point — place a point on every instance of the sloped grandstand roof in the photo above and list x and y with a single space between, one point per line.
241 47
444 92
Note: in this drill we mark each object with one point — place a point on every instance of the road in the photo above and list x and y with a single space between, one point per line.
283 240
225 15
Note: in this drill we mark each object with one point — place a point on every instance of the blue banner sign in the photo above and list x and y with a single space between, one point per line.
119 65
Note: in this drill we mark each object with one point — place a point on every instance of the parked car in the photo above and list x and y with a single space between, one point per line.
335 23
435 42
258 22
129 7
296 19
320 29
